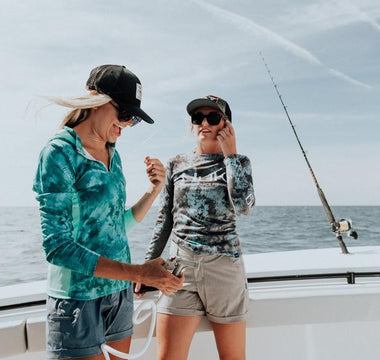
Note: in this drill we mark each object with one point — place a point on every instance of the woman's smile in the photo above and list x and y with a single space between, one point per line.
205 131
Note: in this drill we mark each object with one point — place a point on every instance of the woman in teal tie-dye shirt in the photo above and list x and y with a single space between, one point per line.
81 190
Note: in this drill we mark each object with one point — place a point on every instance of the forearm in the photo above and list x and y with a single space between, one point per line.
239 183
142 206
151 273
112 269
162 229
57 232
157 245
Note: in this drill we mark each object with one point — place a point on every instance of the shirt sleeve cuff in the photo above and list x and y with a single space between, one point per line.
231 158
129 220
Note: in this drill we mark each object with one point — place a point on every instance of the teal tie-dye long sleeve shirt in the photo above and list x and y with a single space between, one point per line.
83 216
203 195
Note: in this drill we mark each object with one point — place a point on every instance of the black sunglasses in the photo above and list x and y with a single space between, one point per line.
212 118
123 115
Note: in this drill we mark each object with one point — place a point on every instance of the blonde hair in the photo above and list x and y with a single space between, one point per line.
81 107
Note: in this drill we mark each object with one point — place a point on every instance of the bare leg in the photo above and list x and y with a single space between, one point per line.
174 335
121 345
230 340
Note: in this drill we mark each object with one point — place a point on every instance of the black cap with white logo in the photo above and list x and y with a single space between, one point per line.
121 85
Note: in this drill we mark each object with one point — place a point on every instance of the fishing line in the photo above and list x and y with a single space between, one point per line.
145 305
175 266
343 225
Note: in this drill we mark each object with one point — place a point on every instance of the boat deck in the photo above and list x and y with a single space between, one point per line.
309 304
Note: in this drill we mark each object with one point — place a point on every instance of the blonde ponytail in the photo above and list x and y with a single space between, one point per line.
82 107
75 117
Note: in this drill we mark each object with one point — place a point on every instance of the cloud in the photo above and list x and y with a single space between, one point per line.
358 13
342 76
308 18
251 27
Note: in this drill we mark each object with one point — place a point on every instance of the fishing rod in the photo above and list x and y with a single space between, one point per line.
337 227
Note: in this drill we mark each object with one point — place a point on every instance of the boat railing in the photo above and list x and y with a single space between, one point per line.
349 276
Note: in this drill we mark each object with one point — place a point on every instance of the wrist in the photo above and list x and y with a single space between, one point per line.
229 153
229 149
138 273
133 272
155 189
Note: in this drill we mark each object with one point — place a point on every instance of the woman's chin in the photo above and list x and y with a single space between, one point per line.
209 138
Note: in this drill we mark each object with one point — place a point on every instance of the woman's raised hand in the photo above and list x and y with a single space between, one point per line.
227 139
156 172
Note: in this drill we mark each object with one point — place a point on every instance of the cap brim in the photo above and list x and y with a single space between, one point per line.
198 103
138 112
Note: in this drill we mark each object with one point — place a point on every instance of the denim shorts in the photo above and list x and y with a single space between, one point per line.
215 288
77 328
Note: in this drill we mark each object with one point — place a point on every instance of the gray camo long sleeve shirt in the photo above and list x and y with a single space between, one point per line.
199 203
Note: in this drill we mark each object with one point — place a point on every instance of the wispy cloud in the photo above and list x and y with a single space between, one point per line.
253 28
358 13
347 78
308 18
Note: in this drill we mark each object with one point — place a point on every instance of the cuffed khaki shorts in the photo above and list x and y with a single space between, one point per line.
216 288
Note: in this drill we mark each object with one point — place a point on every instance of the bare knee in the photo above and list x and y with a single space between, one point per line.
174 335
230 340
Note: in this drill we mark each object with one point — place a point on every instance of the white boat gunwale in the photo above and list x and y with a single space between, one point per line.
287 291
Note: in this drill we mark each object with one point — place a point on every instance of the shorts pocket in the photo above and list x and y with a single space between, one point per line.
173 251
62 314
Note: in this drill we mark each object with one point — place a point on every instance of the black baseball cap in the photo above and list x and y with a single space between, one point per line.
212 101
121 85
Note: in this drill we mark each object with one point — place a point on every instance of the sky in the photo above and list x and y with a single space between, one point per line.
324 57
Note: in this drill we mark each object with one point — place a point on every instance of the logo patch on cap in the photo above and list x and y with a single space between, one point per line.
217 100
138 91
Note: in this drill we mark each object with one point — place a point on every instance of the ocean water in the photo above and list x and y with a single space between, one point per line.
266 229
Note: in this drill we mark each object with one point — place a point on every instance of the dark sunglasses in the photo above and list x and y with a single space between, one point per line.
123 115
212 118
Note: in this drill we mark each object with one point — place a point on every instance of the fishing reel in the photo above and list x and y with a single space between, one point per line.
344 226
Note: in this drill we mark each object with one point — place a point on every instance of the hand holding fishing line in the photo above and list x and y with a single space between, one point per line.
227 139
156 172
160 277
174 267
